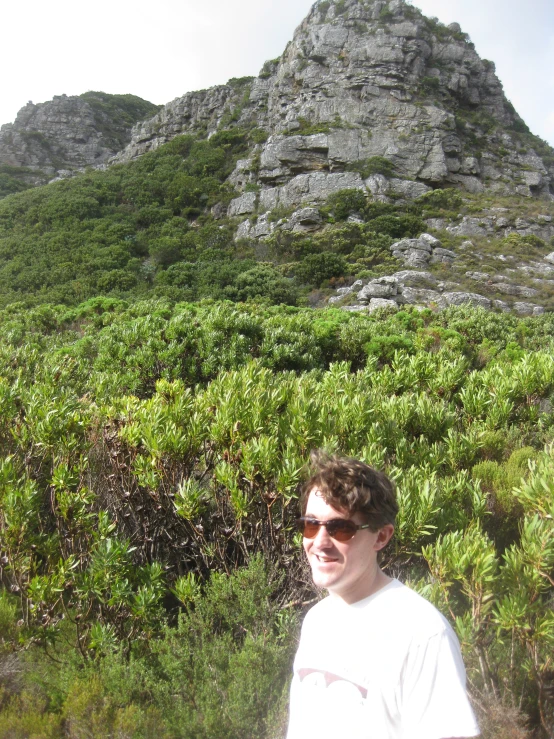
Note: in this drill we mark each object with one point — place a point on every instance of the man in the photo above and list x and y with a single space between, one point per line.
375 660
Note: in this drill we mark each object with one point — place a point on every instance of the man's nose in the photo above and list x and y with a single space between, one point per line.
322 538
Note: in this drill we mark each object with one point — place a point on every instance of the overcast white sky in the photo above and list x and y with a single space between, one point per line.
160 51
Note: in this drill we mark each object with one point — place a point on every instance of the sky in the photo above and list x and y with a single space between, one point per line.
160 51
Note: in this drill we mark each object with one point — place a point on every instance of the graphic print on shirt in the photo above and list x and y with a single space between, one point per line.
334 706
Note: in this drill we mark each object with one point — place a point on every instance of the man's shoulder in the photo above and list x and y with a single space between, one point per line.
408 605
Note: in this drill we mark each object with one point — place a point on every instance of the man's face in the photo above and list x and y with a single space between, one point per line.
347 569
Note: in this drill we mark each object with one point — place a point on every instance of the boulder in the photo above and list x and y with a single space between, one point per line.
413 296
414 277
415 258
406 244
382 288
444 253
433 242
261 228
528 309
376 303
408 189
243 205
478 276
460 298
516 290
306 220
442 256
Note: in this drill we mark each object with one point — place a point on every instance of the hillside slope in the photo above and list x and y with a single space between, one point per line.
378 156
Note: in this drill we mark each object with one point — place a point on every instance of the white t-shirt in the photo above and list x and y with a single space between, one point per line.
386 667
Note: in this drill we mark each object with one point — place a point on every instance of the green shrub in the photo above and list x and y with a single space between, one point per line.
373 165
398 226
229 641
384 347
182 274
323 6
269 68
9 615
25 716
258 135
103 221
430 84
116 279
449 199
262 282
343 203
316 268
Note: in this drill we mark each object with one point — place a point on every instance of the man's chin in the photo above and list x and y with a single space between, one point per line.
324 580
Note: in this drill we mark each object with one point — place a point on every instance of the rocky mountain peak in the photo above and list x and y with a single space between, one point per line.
368 94
68 133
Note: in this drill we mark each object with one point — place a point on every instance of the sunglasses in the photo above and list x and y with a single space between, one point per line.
341 529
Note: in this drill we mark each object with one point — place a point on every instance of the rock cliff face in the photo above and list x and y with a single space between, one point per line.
372 95
69 133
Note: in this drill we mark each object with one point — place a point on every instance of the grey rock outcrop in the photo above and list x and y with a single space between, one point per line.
419 296
70 133
363 79
306 220
377 303
383 287
418 253
462 298
528 309
422 288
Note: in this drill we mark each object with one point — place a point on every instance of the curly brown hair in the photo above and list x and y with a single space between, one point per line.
350 485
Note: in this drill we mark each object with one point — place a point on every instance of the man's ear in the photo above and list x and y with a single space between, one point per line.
384 535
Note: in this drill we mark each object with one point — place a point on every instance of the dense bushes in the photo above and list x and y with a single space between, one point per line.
66 240
219 670
110 504
150 451
148 227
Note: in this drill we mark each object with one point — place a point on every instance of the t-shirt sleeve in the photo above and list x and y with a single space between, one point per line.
433 699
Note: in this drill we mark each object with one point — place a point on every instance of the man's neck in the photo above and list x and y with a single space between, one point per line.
364 590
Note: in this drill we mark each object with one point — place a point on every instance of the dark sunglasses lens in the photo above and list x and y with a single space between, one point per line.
341 530
309 528
337 529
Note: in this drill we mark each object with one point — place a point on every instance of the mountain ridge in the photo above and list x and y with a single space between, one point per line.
64 135
378 145
431 105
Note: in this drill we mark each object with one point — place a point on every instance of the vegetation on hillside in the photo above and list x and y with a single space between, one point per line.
157 227
151 455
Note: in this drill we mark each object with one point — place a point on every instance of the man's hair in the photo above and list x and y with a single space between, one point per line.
348 484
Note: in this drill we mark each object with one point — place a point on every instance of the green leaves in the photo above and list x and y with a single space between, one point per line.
468 558
187 588
537 492
189 499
